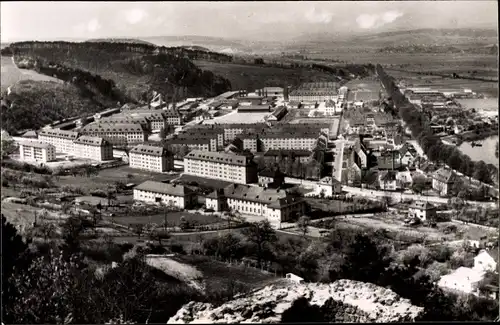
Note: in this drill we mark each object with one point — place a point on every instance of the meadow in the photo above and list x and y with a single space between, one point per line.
11 74
252 77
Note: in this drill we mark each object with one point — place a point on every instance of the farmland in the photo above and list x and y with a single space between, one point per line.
251 77
11 74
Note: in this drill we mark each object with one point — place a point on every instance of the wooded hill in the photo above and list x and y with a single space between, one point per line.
134 68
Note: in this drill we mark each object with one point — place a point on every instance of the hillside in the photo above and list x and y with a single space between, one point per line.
119 40
134 68
33 104
427 40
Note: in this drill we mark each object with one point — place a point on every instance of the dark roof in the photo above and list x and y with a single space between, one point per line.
216 194
387 176
57 133
35 144
164 188
272 173
150 150
260 195
108 127
422 205
91 141
286 152
219 157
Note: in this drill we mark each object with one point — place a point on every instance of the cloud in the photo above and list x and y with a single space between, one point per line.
323 17
369 21
91 26
135 16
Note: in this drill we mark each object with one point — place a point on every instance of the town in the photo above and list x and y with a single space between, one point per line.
246 177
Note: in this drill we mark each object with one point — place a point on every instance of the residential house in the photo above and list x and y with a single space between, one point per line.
330 186
404 178
486 260
443 180
271 177
407 155
387 180
422 210
169 194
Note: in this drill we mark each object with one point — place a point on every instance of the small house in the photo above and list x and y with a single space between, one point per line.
443 180
271 178
422 210
387 180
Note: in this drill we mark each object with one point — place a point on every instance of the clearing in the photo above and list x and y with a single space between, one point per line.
109 176
251 77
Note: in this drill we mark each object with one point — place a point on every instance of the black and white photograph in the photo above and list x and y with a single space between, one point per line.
179 162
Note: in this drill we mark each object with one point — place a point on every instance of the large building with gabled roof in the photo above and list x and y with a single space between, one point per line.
62 140
151 158
93 148
175 195
120 134
276 205
227 167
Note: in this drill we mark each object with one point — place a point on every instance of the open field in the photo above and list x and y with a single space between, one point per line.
173 218
110 175
218 274
202 182
251 77
10 74
236 117
20 215
489 89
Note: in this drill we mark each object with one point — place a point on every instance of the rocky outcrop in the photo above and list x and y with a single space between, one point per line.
355 302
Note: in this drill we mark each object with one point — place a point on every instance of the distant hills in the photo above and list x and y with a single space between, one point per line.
119 40
464 38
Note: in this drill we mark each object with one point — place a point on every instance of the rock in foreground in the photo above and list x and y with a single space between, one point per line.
359 302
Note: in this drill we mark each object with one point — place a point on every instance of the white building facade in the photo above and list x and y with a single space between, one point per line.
94 148
37 151
222 166
151 158
62 140
167 194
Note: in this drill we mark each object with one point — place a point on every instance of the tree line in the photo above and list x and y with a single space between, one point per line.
434 148
118 47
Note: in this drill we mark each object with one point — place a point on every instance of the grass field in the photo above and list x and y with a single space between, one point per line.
110 175
216 274
203 182
173 218
490 89
251 77
10 74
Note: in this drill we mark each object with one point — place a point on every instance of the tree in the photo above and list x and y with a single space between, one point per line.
162 134
481 172
260 234
48 230
303 224
419 184
138 229
44 292
8 147
234 216
455 159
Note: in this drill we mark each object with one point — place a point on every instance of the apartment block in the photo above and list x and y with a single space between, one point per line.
193 143
120 134
277 140
222 166
37 151
62 140
167 194
151 158
94 148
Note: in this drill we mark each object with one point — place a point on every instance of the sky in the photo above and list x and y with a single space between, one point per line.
44 20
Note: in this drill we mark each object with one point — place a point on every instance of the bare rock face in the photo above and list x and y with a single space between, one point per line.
356 302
